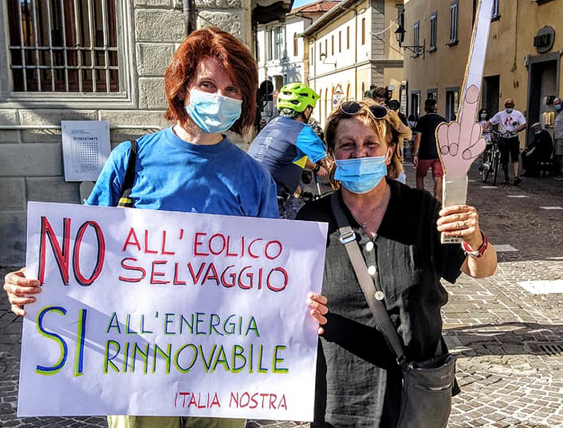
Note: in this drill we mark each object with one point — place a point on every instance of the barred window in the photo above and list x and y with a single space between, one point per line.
416 35
433 32
278 43
454 15
63 45
496 9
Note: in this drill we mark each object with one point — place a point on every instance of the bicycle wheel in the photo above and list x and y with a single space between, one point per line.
486 169
495 165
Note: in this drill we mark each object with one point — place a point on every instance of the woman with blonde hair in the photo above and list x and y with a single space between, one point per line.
397 232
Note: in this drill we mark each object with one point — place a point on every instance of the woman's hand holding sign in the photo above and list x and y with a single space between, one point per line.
461 142
19 290
317 303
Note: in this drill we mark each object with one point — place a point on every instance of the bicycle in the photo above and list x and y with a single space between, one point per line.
491 157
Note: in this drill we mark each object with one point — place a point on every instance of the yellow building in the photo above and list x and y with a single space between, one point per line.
523 55
350 48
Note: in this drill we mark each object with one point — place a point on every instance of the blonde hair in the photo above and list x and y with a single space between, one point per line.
389 129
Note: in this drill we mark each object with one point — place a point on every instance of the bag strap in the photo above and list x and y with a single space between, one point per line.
125 200
374 297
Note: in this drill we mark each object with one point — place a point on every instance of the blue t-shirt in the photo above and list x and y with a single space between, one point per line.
174 175
309 144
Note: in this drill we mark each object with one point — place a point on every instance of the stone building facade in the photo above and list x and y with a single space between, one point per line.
46 75
523 56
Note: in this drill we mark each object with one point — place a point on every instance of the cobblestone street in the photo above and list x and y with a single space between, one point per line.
509 340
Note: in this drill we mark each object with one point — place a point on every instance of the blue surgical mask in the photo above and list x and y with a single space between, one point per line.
360 175
213 113
509 110
557 107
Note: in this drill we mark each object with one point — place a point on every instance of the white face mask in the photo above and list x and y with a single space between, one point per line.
483 115
509 110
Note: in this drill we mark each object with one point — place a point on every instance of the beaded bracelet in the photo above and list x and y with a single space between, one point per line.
477 253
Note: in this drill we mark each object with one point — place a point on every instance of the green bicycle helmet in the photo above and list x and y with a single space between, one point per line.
297 96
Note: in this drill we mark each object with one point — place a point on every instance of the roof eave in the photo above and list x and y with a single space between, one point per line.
332 13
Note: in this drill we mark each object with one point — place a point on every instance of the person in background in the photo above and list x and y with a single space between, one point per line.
411 121
483 119
539 150
511 122
558 135
211 86
288 144
425 151
379 95
358 380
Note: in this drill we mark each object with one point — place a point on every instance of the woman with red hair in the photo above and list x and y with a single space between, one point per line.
211 86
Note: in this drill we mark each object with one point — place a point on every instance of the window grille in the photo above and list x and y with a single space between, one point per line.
416 35
63 45
278 43
452 103
433 32
270 44
453 22
496 9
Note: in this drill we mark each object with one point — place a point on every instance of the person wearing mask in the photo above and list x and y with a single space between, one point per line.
288 144
539 150
397 229
511 122
483 119
211 86
425 151
558 135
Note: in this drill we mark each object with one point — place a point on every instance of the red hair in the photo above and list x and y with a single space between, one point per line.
235 58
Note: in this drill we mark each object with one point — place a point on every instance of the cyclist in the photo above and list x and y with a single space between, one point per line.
288 144
511 123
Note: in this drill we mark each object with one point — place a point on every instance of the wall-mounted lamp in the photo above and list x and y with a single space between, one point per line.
324 60
415 49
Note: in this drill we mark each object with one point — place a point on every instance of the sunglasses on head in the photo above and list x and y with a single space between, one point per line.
353 107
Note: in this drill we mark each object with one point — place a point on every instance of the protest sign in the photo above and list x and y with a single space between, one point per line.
162 313
461 142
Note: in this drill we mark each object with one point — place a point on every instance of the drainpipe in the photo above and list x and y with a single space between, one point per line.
189 16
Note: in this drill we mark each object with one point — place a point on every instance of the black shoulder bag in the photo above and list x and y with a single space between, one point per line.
426 396
124 200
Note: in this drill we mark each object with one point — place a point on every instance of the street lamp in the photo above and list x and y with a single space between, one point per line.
324 60
415 49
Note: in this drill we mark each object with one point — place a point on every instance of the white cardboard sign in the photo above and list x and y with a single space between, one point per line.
162 313
461 142
86 147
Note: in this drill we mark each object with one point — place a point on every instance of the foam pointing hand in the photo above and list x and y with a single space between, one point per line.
462 142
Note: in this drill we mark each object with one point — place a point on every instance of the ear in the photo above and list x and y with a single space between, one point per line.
390 153
184 95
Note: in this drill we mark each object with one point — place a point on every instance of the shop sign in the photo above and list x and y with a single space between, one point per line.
544 39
